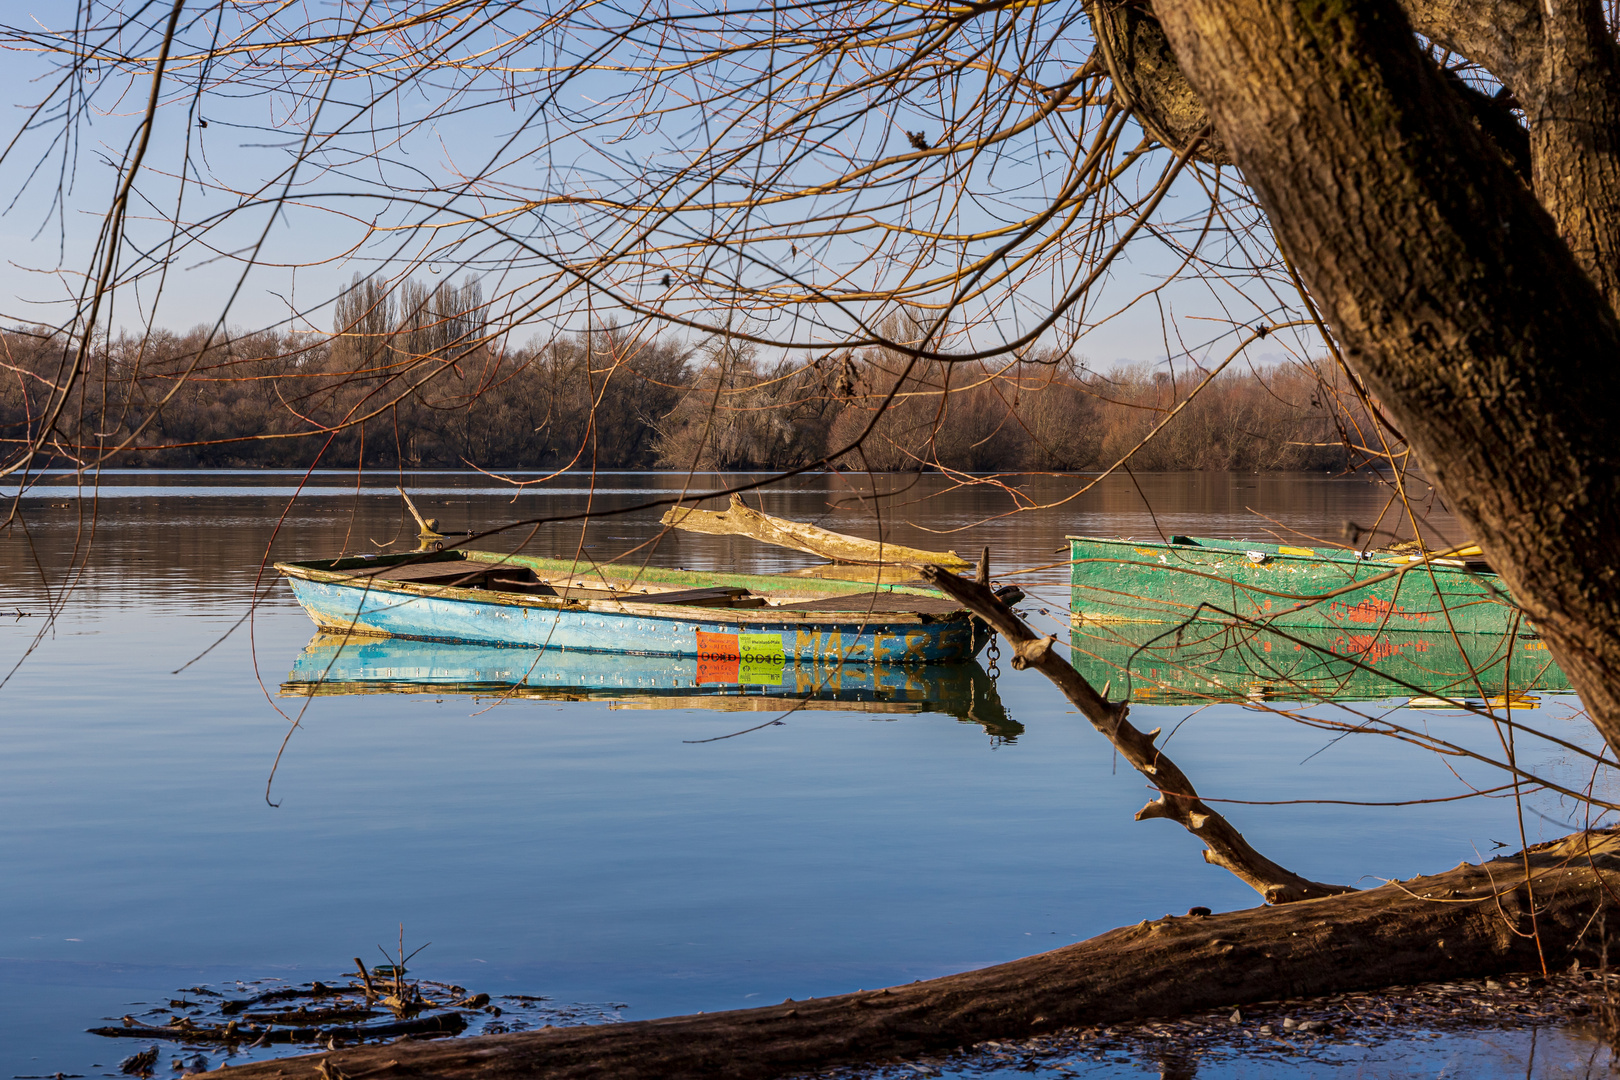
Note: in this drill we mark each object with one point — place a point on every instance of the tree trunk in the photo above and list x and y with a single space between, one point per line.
1449 289
1572 106
1465 923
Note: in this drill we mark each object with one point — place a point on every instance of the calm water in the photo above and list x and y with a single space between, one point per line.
598 853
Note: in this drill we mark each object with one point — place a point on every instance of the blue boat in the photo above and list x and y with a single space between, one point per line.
332 665
493 598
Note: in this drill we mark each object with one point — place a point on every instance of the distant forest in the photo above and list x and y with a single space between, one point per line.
412 379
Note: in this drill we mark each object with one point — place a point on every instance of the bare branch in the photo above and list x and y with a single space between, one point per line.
1177 800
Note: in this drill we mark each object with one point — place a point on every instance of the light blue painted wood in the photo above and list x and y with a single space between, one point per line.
372 609
332 664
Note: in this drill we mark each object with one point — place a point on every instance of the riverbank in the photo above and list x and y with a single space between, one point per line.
1561 1012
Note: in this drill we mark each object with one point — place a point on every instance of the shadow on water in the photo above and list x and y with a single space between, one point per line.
333 665
1209 661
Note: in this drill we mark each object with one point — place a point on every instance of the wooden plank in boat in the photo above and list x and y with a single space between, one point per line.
719 596
436 573
886 603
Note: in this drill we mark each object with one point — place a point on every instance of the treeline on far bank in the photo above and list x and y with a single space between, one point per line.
610 399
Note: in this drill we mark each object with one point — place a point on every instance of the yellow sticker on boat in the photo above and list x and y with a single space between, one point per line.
761 648
761 672
1306 552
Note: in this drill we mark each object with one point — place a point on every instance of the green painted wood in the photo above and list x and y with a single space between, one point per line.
1151 582
1202 662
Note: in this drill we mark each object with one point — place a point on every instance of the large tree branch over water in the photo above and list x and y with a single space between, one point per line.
1560 66
1177 799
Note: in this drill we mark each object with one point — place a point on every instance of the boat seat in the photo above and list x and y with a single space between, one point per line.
719 596
884 603
726 596
462 574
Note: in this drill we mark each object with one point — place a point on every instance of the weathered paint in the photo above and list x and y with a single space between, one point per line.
1223 661
340 602
1286 586
334 665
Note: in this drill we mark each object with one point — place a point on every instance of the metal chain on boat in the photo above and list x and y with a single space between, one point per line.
995 654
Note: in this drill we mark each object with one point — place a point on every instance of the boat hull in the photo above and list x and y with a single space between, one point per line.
366 609
1282 586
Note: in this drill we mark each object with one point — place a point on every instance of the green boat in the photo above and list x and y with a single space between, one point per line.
1278 585
1208 661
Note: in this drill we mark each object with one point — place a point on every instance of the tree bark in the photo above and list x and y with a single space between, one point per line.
1147 81
1572 105
1465 923
1449 289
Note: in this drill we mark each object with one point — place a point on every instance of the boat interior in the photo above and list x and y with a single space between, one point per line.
500 577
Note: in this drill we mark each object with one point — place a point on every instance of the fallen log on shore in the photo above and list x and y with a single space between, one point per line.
740 520
448 1023
1469 922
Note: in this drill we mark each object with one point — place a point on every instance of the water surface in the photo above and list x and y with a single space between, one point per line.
596 850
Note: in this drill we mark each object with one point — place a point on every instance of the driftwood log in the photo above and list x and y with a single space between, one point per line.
1469 922
740 520
451 1023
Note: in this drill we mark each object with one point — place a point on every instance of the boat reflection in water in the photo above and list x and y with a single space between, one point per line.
1204 661
332 664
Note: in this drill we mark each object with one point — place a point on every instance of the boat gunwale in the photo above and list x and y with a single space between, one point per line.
1333 556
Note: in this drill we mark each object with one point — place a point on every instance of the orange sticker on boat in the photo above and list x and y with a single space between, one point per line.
718 669
717 645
